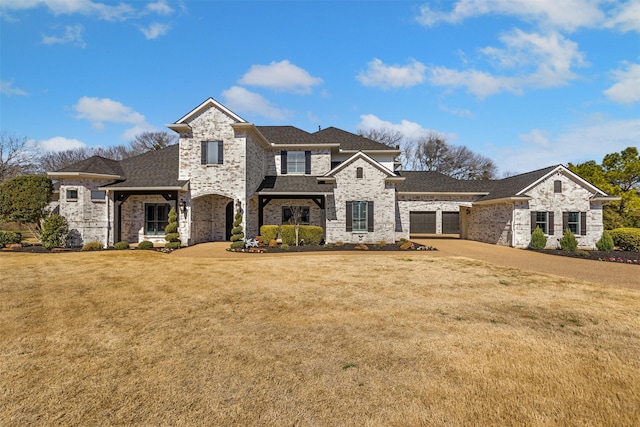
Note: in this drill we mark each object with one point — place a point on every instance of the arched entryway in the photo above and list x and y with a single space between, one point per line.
211 218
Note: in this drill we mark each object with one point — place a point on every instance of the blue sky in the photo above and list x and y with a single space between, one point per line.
527 83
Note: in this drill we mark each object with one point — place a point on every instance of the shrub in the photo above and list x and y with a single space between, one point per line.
605 243
627 239
171 230
311 234
9 237
237 235
121 245
339 243
92 246
284 247
54 232
402 241
273 243
381 244
145 244
568 241
269 232
172 245
538 239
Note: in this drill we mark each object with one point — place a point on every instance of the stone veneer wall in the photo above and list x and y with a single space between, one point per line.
208 221
574 197
488 223
273 211
87 218
133 217
371 187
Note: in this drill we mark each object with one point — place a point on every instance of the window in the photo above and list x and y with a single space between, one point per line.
359 217
156 217
576 222
288 211
359 173
544 220
72 194
573 222
97 195
295 162
211 152
557 186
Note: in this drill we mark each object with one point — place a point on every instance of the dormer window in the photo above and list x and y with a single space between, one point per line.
359 173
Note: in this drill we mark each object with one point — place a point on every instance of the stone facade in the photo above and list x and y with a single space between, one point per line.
371 187
88 217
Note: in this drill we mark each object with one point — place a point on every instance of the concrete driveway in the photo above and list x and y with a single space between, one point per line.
604 273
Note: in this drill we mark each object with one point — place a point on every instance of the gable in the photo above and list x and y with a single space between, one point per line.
183 124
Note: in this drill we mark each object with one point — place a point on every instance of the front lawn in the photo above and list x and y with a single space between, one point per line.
389 339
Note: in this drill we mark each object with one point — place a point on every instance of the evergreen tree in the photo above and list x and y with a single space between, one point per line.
237 235
171 231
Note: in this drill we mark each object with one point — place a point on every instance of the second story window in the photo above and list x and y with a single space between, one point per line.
211 152
295 162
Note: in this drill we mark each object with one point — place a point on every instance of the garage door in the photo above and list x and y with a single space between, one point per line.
422 222
450 222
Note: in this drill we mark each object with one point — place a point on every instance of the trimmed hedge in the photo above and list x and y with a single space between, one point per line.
121 245
9 237
92 246
627 239
145 244
311 234
269 233
568 241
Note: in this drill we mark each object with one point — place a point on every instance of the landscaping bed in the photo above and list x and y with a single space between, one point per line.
627 257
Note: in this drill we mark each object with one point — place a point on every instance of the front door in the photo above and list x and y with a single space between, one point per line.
229 220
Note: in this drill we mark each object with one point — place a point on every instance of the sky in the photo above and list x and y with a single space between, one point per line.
527 83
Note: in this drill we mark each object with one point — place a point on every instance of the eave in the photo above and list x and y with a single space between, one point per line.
179 127
440 193
503 200
172 188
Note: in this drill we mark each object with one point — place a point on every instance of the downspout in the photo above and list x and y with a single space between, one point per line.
108 216
513 220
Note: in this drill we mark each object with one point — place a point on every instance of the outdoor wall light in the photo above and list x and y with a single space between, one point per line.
184 205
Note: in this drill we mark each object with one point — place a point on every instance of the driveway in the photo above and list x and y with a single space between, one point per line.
604 273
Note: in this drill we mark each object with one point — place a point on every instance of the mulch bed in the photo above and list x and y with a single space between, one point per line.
627 257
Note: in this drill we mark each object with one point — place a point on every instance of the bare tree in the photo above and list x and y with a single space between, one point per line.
389 137
433 153
149 141
15 158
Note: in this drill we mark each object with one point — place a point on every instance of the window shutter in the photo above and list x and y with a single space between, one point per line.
551 230
220 152
369 217
283 162
565 221
307 162
583 223
533 221
349 217
203 152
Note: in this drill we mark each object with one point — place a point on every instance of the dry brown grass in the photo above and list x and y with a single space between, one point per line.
141 338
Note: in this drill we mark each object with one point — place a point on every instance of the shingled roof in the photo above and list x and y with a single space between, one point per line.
288 135
95 165
436 182
349 141
511 186
158 168
293 184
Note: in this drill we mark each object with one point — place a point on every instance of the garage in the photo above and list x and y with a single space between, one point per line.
422 222
450 222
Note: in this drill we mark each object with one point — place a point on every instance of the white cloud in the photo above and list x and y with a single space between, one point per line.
626 90
72 34
281 76
590 140
59 143
411 130
99 111
109 12
625 17
160 7
7 88
155 30
392 76
243 101
538 61
567 15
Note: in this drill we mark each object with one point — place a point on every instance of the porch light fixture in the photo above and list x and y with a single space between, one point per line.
184 206
468 211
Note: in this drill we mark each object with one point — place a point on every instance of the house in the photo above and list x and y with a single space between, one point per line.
345 183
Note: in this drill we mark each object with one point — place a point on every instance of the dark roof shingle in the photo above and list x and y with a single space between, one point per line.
349 141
